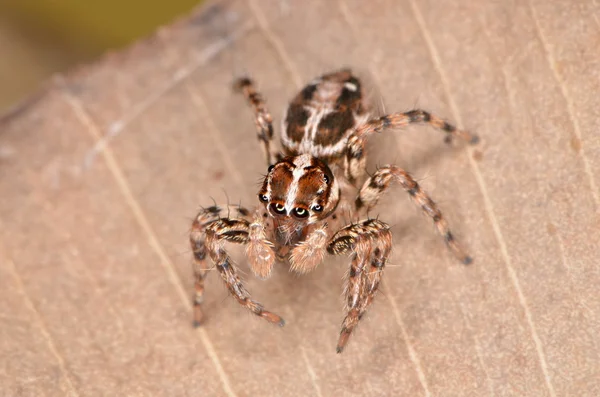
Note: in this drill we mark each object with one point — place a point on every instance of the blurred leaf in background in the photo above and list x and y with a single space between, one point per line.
41 37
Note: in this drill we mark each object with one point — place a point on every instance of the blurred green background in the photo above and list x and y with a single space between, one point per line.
41 37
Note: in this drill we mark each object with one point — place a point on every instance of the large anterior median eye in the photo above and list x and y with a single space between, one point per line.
300 212
278 208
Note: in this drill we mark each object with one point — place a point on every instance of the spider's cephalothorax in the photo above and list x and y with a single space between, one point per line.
323 156
297 192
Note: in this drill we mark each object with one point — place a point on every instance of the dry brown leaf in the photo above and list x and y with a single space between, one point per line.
101 175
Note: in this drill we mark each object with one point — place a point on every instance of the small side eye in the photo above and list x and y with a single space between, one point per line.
278 208
263 198
300 212
317 208
326 179
270 168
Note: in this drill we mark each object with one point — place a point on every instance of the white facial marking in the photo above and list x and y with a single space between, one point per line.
300 162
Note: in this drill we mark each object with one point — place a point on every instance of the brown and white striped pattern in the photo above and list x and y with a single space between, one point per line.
324 133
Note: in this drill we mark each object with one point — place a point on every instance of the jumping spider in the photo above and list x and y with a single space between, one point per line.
324 133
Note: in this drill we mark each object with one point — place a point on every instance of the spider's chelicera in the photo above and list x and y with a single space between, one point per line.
312 178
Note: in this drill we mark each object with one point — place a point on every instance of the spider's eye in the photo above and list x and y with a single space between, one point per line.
317 208
278 208
300 212
263 198
326 179
270 168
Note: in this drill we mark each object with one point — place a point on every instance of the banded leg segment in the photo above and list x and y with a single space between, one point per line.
355 162
198 245
375 186
262 117
371 242
208 235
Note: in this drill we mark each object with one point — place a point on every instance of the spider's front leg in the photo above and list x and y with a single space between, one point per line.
208 235
370 242
375 186
262 117
198 244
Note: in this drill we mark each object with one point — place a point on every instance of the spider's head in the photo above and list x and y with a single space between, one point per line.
301 189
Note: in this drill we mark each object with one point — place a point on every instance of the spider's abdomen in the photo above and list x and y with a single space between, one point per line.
322 115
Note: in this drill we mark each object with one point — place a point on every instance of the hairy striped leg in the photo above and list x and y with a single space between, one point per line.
262 117
355 159
197 242
208 235
370 242
375 186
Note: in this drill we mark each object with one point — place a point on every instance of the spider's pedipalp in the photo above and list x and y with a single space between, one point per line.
309 253
259 249
375 186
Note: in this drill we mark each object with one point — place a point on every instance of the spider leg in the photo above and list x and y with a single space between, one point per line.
197 242
355 161
371 243
262 117
208 235
375 186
